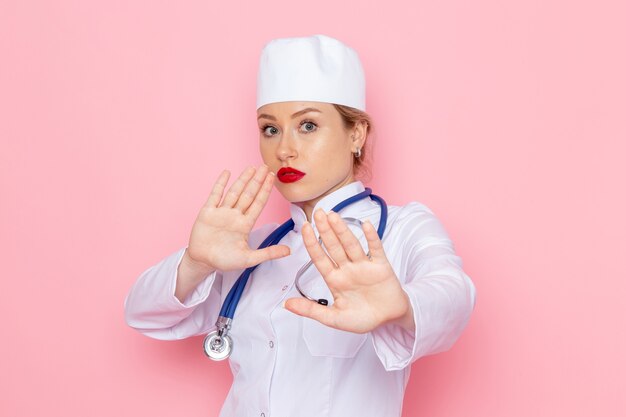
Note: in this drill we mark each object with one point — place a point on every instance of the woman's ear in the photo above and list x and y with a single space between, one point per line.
359 135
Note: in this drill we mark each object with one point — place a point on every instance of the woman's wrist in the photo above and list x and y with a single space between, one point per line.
406 319
190 274
195 267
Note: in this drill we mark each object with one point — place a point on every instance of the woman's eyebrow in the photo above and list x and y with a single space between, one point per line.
301 112
293 116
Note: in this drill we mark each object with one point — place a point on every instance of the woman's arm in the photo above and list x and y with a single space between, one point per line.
181 295
441 294
153 308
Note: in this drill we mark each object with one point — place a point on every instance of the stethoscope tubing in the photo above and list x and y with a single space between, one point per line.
218 344
232 299
234 295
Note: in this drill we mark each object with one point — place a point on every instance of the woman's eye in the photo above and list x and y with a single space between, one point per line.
270 131
308 126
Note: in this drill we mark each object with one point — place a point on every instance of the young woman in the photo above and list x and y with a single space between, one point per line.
337 338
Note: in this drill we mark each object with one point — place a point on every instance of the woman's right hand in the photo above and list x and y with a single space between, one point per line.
219 237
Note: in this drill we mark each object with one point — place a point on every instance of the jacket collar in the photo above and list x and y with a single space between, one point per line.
331 200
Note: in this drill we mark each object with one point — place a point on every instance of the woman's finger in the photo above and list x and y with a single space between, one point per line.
218 189
261 197
251 189
271 252
374 243
350 243
331 242
307 308
237 187
321 261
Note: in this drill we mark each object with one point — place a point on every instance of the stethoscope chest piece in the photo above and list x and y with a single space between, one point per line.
217 347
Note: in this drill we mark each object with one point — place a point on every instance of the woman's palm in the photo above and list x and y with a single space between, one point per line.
219 237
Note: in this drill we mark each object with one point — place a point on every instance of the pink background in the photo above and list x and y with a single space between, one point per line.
506 118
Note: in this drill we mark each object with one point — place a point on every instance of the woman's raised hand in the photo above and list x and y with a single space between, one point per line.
365 289
219 237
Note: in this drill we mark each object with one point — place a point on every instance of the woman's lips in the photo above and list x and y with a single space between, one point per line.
288 174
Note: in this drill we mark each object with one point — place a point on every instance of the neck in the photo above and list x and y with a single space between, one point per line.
308 206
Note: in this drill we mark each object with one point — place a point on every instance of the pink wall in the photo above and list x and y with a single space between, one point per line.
506 118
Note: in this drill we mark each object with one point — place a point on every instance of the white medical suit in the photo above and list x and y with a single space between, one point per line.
285 365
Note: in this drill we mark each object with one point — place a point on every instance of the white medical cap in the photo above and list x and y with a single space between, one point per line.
315 68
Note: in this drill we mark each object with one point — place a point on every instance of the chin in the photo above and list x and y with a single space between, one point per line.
296 194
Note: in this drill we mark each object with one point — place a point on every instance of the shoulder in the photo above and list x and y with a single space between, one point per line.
416 220
418 234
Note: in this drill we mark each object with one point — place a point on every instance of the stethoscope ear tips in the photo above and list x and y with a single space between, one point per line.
322 301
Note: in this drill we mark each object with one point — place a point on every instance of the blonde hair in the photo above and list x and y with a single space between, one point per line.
351 117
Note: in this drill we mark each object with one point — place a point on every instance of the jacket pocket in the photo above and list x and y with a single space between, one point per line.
322 340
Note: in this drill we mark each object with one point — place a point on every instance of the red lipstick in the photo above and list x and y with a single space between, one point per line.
288 174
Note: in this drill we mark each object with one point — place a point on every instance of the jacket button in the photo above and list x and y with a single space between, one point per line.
271 344
285 287
262 414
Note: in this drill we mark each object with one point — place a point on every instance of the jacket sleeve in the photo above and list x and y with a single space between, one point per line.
151 307
441 294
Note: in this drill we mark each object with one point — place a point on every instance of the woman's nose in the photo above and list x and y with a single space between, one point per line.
286 149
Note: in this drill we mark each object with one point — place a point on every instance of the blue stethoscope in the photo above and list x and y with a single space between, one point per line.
217 344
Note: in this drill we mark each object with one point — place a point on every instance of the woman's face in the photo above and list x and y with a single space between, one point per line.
309 137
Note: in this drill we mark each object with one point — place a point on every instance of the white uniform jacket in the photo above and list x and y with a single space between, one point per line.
285 365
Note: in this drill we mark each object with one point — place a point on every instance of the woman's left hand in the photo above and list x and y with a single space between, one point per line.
366 291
